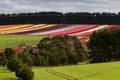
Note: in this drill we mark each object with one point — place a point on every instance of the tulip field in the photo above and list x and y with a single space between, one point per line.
30 34
81 31
100 71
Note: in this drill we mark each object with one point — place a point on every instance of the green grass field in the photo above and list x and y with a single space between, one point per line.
101 71
6 75
14 40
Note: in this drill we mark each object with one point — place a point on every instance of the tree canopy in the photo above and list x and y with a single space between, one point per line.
58 17
105 46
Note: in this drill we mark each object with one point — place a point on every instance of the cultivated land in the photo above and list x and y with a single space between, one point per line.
100 71
15 40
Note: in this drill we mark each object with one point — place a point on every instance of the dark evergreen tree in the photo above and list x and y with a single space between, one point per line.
104 46
58 17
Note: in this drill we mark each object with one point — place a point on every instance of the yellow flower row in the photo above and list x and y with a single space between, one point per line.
15 27
23 28
41 27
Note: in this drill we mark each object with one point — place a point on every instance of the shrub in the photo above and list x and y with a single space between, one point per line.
9 52
19 66
37 60
3 59
13 62
25 73
25 58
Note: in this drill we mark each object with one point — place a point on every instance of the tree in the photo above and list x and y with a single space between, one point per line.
25 73
13 63
58 18
18 67
72 58
79 50
20 63
9 52
37 60
25 58
3 59
104 46
61 50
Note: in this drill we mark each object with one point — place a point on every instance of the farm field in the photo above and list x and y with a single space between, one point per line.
100 71
30 34
15 40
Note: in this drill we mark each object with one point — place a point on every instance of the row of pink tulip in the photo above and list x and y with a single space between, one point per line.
75 29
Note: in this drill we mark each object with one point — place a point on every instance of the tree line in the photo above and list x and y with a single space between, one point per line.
50 51
104 46
58 17
20 63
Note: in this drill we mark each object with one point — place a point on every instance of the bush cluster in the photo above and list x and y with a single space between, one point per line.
21 65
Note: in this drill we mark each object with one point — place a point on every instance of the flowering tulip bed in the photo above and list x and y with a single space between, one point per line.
54 29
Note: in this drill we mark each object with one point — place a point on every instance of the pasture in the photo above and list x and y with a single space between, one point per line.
99 71
12 41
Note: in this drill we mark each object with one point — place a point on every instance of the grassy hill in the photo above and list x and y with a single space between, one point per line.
15 40
100 71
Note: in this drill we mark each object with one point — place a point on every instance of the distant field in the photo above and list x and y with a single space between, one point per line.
101 71
14 40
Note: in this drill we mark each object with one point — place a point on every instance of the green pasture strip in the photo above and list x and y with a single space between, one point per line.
14 40
7 75
99 71
41 74
102 71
